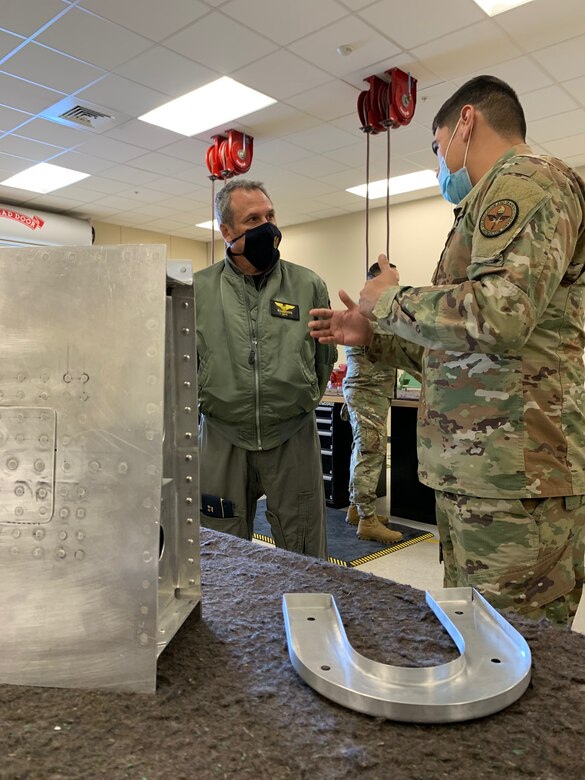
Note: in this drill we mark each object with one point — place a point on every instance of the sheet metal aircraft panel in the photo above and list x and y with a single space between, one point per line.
92 368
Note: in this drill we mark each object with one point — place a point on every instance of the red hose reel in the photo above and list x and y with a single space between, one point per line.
387 104
230 155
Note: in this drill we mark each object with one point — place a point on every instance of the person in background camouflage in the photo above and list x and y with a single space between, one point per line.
368 387
500 338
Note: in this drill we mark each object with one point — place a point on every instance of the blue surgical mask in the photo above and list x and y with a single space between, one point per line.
454 186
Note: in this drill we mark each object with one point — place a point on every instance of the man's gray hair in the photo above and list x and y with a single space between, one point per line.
223 199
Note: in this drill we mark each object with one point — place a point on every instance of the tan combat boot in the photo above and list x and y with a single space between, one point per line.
352 516
371 530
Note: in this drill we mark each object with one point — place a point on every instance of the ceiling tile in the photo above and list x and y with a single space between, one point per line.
220 43
191 150
355 5
542 22
102 185
368 45
172 187
276 121
119 93
329 101
163 225
279 152
430 100
323 138
156 23
21 94
396 20
159 163
281 75
281 20
564 60
51 69
26 16
8 43
83 162
167 71
24 147
89 38
521 73
11 164
576 161
558 126
142 134
53 133
108 149
406 62
567 147
189 204
141 195
317 166
354 156
549 101
10 118
424 160
55 201
129 174
577 88
477 47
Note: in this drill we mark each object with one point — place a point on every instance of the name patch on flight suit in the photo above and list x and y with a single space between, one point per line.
498 217
288 311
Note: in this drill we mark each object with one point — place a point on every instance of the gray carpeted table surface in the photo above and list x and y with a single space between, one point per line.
230 705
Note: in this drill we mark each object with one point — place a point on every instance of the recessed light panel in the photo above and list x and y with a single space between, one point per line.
493 7
398 185
214 104
44 178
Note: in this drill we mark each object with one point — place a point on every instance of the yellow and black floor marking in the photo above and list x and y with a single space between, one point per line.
365 558
386 550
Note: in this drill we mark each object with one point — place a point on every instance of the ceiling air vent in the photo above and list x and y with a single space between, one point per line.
86 117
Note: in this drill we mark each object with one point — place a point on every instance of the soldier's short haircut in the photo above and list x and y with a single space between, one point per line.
223 199
496 100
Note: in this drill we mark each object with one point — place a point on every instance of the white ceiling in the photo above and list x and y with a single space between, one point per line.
130 56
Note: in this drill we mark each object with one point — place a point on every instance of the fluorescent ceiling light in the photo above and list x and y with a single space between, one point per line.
208 225
493 7
44 178
398 184
214 104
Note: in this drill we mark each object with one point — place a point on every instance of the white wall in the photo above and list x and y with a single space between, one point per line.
177 248
335 248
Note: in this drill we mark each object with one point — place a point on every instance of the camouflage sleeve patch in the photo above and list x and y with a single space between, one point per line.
508 205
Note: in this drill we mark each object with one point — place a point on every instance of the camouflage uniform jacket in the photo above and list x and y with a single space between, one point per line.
372 379
501 331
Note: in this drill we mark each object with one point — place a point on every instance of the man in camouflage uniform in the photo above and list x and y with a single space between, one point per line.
368 387
500 338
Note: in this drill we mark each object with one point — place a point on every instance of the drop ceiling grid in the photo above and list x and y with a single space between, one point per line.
309 144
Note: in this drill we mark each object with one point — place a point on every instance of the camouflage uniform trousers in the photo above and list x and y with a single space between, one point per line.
524 555
368 415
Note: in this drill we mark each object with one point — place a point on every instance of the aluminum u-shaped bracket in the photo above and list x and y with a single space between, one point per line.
492 671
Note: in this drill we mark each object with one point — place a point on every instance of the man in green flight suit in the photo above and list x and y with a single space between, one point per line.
499 338
260 378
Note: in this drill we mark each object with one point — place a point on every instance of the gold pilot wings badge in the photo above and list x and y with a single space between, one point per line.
288 311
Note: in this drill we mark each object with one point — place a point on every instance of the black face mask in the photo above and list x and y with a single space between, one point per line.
260 246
